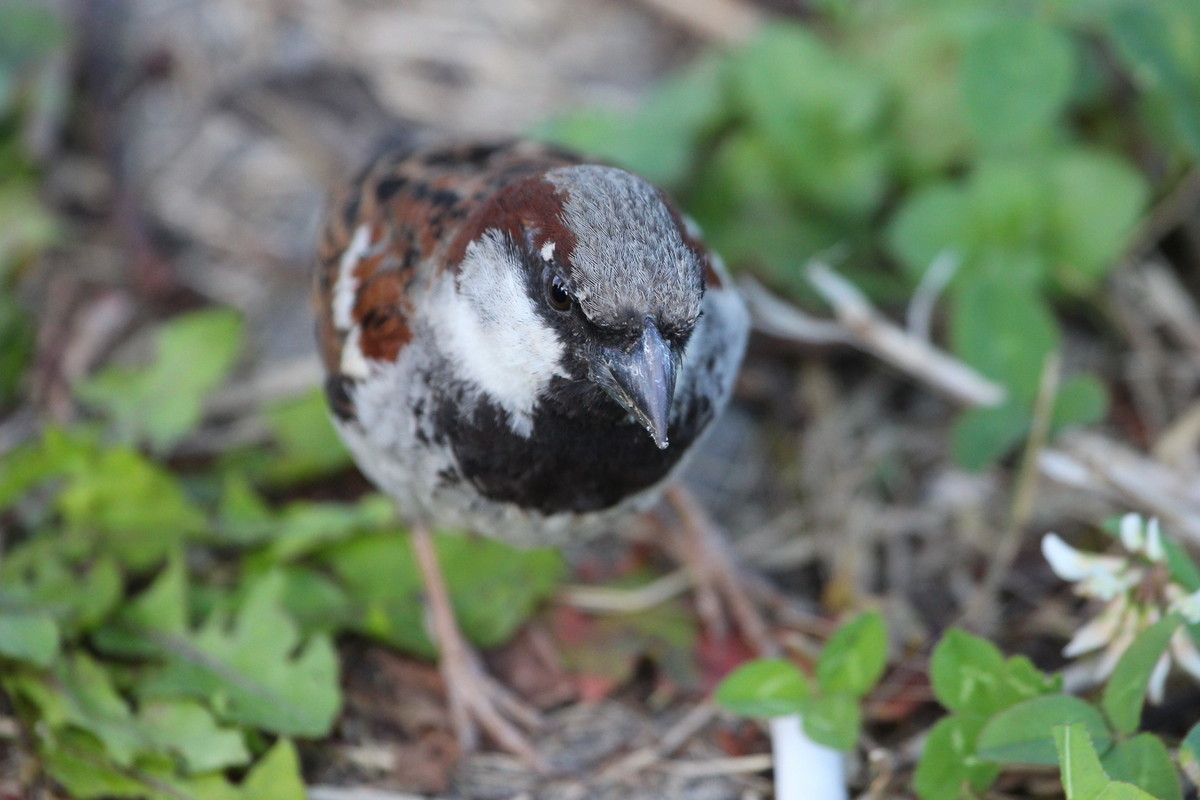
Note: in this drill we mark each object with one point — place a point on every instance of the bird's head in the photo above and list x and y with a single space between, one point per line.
610 282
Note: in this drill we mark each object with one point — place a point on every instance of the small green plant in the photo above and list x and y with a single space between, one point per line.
900 132
830 707
136 673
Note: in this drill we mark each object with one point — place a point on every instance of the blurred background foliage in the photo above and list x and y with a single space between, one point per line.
1023 144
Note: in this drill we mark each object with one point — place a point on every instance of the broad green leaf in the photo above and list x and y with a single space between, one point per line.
1143 36
982 436
131 508
187 730
821 116
1024 733
304 527
41 573
1082 775
252 668
93 705
969 674
494 587
78 761
658 140
1004 329
276 776
1097 201
1008 204
315 600
28 636
1125 692
162 402
833 719
855 657
948 768
308 445
766 687
931 221
1016 77
1082 400
1144 762
160 610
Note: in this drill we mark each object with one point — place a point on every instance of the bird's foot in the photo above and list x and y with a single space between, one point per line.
722 599
478 702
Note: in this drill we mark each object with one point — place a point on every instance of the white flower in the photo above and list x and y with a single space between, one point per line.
1102 577
1186 604
1154 544
1136 594
1132 535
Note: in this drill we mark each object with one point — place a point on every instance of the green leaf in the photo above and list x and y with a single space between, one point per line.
160 610
252 668
276 776
93 705
78 761
821 116
1004 329
1016 77
1126 689
1024 733
1189 752
931 220
1083 776
855 657
966 672
833 719
162 402
982 436
1082 400
131 508
28 636
1143 35
187 730
1144 762
1097 202
658 140
28 30
305 527
308 445
948 768
494 587
969 674
766 687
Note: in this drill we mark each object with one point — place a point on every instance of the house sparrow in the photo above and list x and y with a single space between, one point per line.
519 343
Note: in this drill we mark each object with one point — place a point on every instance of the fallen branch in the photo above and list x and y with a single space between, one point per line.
860 325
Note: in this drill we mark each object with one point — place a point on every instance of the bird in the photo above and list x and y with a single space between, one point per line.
524 343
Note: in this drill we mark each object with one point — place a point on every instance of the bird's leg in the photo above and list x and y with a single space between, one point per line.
719 584
476 700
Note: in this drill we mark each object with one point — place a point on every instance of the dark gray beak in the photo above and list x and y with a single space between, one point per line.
641 378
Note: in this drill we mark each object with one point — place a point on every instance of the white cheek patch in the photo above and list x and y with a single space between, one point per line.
345 289
487 325
548 251
354 363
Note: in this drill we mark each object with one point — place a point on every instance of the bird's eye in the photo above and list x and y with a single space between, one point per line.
557 294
